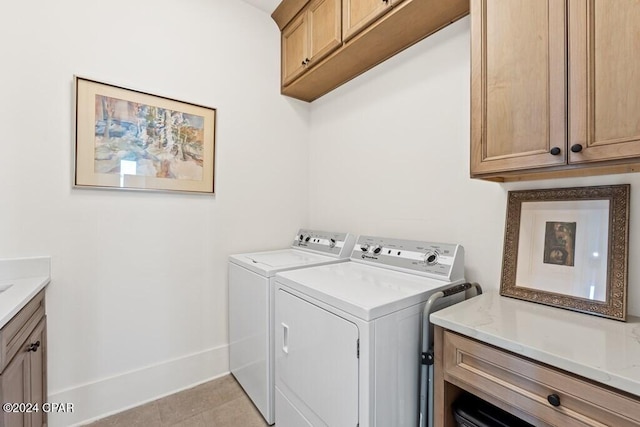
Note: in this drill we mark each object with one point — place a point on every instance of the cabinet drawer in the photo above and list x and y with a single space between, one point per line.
14 334
514 382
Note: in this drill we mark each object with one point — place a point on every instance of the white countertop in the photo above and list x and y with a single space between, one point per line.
28 276
603 350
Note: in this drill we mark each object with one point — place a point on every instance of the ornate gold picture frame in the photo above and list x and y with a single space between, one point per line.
568 248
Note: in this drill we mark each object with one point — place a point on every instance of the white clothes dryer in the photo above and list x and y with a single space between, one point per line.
348 335
251 291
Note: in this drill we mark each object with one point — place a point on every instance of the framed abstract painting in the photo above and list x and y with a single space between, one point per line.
127 139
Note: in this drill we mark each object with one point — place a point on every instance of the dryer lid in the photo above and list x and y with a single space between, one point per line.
367 292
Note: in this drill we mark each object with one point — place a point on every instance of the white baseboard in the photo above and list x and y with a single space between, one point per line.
111 395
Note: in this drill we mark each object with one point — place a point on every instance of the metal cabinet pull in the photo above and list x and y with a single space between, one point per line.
554 399
576 148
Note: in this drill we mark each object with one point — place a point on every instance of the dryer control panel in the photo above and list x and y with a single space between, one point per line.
339 245
443 261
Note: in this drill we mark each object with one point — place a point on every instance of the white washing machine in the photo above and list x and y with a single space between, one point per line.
348 335
251 291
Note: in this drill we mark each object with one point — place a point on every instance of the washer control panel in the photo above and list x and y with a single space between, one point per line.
438 260
325 242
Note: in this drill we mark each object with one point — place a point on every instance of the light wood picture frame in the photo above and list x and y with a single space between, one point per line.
127 139
568 248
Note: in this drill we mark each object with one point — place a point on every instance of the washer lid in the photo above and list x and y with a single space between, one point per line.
269 263
361 290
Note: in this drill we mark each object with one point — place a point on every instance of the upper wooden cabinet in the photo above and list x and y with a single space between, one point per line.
357 14
326 43
311 36
518 84
552 88
604 76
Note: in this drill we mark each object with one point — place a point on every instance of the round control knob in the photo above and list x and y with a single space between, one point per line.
364 247
377 249
306 239
430 258
301 238
332 243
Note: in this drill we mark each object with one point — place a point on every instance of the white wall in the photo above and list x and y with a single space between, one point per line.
389 156
137 306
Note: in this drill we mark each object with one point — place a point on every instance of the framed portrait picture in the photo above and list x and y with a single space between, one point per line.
127 139
568 248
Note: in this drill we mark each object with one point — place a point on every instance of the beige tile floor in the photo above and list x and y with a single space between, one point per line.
218 403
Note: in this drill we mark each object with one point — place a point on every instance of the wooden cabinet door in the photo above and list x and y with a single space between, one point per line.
604 80
294 49
15 387
314 34
518 85
38 373
24 380
357 14
325 33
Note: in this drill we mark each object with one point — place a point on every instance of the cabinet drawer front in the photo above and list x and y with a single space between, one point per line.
526 385
17 330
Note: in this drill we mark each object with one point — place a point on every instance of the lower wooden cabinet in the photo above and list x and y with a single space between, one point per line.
15 385
23 373
536 393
